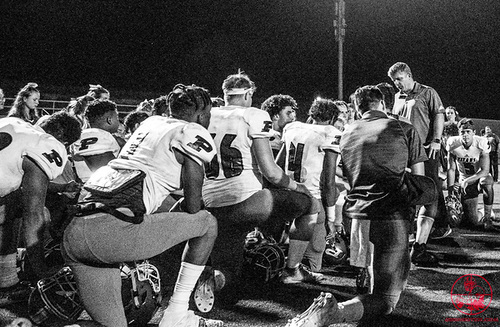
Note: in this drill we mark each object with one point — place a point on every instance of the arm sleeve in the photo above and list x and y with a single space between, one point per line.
49 154
435 103
96 142
332 140
259 122
195 141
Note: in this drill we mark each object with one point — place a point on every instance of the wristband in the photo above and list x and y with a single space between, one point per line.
330 214
437 141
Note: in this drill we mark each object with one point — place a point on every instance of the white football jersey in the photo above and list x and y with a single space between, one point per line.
151 149
305 151
275 141
93 141
19 139
467 160
233 175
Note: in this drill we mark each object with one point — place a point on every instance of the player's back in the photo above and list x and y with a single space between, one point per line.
233 175
151 150
305 146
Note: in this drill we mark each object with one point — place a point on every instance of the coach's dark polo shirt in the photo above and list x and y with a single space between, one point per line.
375 151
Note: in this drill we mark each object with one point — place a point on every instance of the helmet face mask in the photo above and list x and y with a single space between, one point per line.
141 292
264 259
55 299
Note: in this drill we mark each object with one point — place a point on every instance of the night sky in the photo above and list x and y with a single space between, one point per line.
286 46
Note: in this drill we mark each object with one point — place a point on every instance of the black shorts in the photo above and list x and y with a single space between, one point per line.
472 191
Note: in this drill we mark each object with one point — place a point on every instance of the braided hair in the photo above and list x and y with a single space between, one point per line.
185 100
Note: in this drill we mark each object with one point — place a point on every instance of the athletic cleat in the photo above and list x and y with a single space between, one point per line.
19 292
491 225
189 320
301 275
323 307
421 257
210 282
440 233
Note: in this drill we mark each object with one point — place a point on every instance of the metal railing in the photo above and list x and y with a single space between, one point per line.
48 107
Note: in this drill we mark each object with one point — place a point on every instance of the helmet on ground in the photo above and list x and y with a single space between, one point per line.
336 250
55 300
141 292
264 259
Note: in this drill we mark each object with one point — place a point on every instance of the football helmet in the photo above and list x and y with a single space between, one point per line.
264 259
336 251
454 209
55 300
52 252
141 292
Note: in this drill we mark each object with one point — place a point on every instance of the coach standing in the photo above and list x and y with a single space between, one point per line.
422 107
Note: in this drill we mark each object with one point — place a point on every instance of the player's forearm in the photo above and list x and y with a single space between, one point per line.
280 179
450 177
478 175
329 194
33 236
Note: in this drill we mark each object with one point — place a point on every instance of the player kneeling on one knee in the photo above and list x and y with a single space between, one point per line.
469 155
118 222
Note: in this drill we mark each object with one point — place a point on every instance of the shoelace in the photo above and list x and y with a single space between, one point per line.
318 303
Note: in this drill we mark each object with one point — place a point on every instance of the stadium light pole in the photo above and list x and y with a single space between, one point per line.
339 24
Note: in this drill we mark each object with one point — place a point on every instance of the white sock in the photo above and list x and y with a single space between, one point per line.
186 280
296 252
8 270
